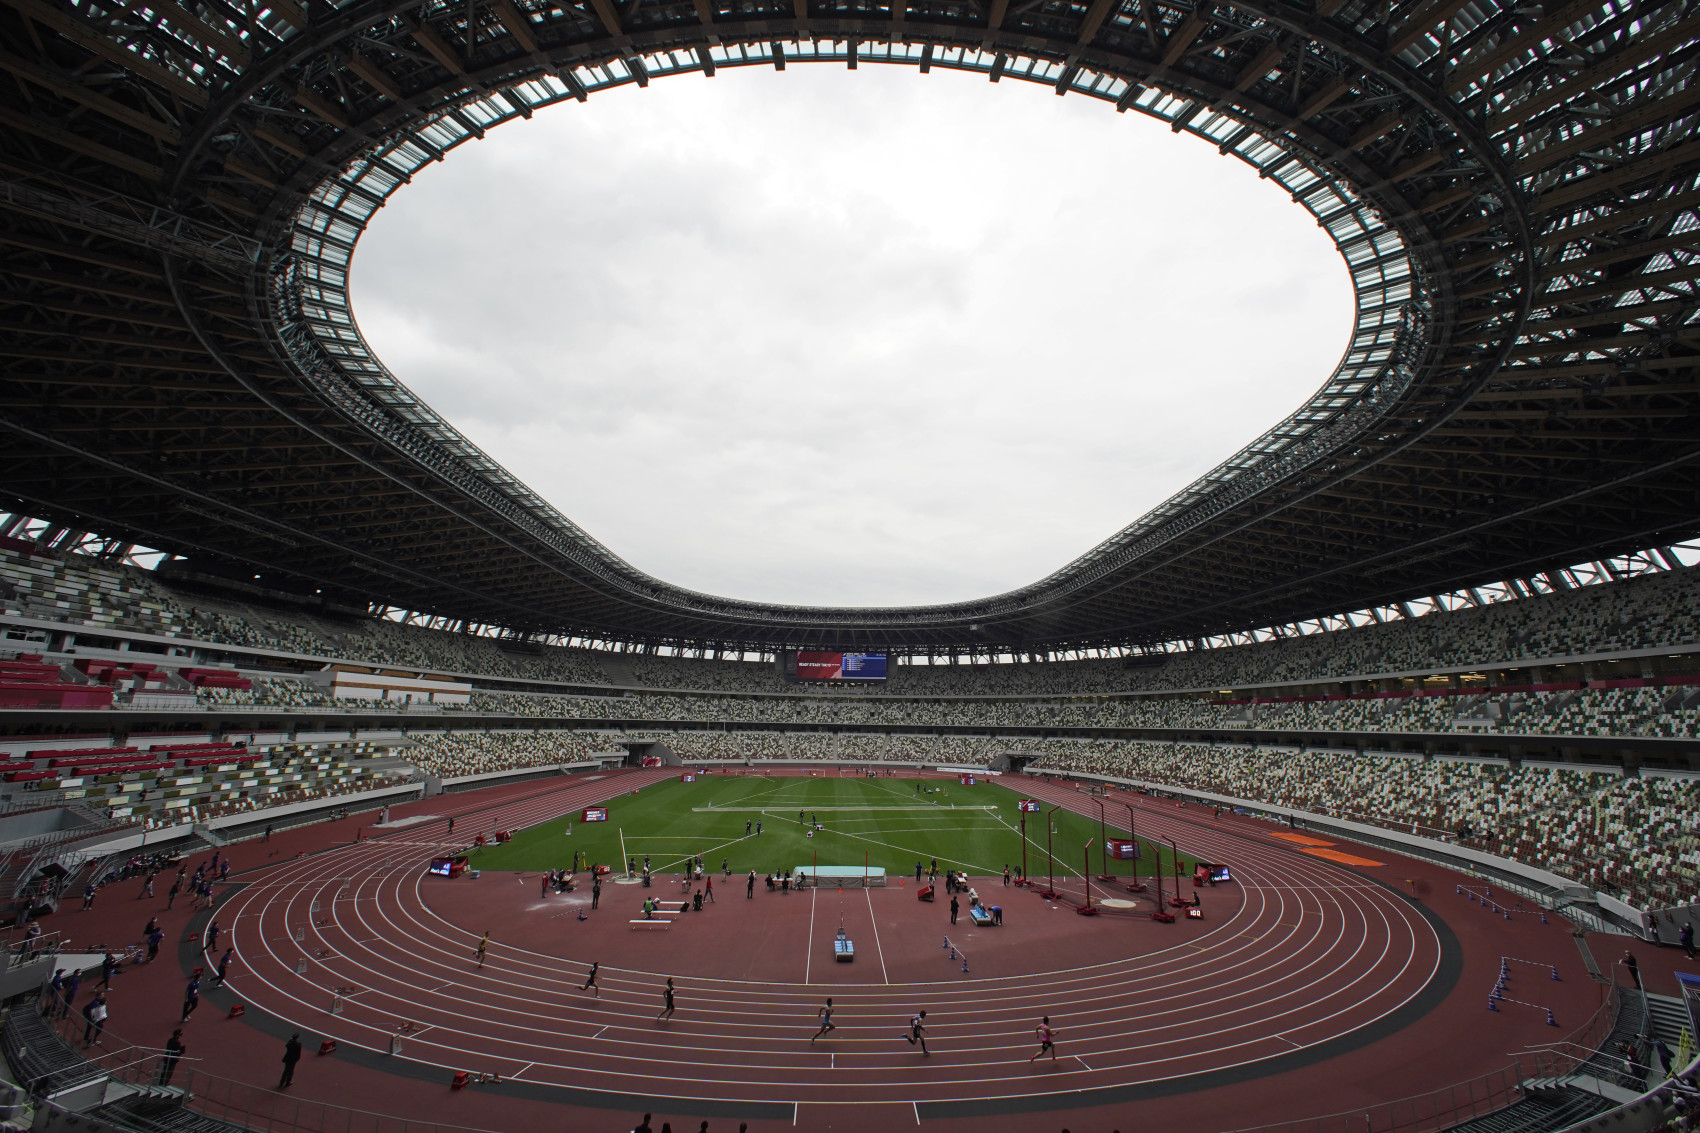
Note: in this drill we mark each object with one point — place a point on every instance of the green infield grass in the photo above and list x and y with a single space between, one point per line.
890 823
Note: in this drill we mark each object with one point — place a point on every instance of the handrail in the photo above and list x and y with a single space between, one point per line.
256 1107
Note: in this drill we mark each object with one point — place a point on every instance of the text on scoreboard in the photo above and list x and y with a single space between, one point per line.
595 814
840 666
1030 805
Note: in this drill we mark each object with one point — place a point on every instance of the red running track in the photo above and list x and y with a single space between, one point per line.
1314 953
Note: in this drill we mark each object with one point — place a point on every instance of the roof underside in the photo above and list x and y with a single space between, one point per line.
1513 188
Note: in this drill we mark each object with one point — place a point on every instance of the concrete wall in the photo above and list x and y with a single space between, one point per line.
34 823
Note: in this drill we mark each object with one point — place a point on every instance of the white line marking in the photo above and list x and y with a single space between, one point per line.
1082 1061
917 1106
815 810
809 950
878 951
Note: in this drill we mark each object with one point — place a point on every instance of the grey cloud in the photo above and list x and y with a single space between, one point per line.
853 338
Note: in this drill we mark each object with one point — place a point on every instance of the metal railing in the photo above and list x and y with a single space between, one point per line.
250 1107
28 949
1489 1093
238 1104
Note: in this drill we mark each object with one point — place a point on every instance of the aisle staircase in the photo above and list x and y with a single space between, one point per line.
619 669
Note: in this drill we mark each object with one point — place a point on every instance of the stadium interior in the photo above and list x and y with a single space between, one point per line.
1446 614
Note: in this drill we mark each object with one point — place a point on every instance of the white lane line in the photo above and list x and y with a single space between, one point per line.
412 915
1290 1042
522 1069
809 947
917 1106
878 951
1082 1061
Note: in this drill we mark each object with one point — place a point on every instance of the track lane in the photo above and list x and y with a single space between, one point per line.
1312 952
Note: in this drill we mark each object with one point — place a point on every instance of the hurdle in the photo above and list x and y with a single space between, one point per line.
1498 996
956 953
1484 894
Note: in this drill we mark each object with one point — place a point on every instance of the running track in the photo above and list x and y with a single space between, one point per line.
1315 953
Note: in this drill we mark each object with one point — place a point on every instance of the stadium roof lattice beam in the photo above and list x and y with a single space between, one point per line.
1514 189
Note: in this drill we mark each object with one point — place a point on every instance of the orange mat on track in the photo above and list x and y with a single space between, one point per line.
1343 859
1300 839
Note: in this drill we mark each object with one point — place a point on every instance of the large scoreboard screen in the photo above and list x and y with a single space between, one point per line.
841 666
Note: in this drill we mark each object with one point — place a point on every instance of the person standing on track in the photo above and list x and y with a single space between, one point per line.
917 1035
95 1016
954 906
750 886
708 891
1047 1039
595 892
590 980
72 983
667 1002
191 998
826 1023
291 1055
483 947
174 1049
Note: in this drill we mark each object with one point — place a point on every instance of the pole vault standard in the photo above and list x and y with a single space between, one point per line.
1086 874
1024 847
1176 901
1162 914
1103 843
1050 894
1138 886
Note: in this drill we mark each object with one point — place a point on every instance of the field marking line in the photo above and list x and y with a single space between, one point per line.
1290 1042
706 854
1080 1060
777 786
809 950
829 809
907 850
917 1112
795 1106
522 1070
878 951
1038 848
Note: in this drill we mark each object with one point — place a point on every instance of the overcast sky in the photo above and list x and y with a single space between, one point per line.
861 338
